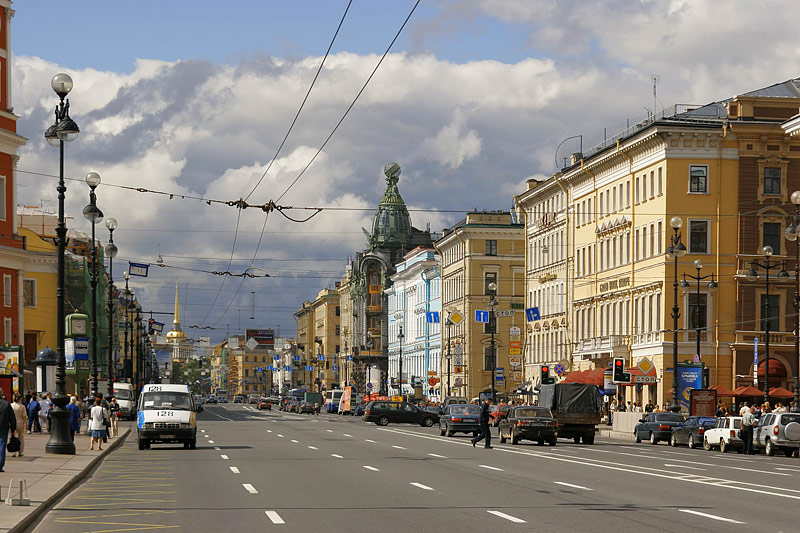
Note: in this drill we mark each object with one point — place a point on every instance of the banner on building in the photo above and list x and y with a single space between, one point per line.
261 336
344 401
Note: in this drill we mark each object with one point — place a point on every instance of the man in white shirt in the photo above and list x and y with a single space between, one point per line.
743 409
748 422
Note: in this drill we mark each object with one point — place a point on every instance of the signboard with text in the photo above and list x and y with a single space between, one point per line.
703 402
262 336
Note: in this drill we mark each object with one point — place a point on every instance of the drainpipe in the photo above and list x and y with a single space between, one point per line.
596 259
717 265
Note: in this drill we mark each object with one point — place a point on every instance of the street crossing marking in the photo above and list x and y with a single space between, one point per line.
491 468
571 485
329 430
337 456
399 447
217 448
711 516
234 469
507 517
275 517
224 457
269 431
437 455
202 431
371 468
421 486
249 488
313 448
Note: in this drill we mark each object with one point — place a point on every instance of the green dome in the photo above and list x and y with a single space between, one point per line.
391 227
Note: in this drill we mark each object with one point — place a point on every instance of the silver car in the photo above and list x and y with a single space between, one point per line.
778 431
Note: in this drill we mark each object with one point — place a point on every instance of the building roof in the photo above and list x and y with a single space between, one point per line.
785 89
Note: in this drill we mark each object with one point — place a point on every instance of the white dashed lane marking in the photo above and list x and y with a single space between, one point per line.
234 469
313 448
337 456
371 468
249 488
571 485
274 517
399 447
224 457
507 517
711 516
437 455
491 468
421 486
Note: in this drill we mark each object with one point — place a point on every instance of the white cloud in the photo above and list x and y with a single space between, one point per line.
454 143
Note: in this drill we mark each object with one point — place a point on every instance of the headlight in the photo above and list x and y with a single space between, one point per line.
185 425
148 425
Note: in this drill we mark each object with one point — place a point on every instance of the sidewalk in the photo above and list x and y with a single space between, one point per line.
49 477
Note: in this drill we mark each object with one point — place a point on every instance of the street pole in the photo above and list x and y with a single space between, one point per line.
791 234
493 323
712 285
126 276
675 250
94 215
63 130
111 252
449 357
400 337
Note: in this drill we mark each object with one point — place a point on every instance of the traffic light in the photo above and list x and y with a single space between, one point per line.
545 377
620 376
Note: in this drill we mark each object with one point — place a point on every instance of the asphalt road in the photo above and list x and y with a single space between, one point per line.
259 470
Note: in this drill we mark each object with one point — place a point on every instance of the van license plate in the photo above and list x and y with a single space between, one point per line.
167 436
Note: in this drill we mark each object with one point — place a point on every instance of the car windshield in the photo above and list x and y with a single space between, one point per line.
668 417
166 400
122 394
464 410
706 420
533 411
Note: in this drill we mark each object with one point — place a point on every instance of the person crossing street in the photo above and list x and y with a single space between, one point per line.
484 422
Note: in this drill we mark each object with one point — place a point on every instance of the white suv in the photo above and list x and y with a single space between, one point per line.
778 431
724 434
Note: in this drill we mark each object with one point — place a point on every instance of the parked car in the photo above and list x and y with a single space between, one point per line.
383 412
254 398
222 399
460 418
531 423
656 427
265 403
691 431
239 398
499 414
778 432
724 434
211 399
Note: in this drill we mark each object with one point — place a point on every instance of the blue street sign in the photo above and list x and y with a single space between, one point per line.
81 349
138 269
335 368
260 369
277 357
482 316
309 367
369 385
532 313
500 371
321 357
755 351
287 368
296 358
432 317
348 358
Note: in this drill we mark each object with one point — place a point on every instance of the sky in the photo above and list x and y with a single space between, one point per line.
194 98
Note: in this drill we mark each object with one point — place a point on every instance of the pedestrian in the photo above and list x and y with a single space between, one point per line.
21 415
8 424
484 421
657 408
720 411
44 412
638 407
114 410
74 418
97 424
743 409
748 421
33 415
649 407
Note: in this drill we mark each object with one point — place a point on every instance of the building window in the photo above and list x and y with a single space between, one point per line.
697 302
770 311
491 247
637 190
338 311
698 236
2 197
7 331
488 358
601 205
29 292
772 235
337 330
6 290
644 187
489 278
652 184
628 193
660 182
772 180
698 178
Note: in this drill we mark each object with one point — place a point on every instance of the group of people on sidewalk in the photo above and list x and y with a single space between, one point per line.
24 415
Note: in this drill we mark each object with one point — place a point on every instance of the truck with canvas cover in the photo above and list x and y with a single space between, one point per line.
578 409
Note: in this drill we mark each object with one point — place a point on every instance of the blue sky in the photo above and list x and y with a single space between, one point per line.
110 35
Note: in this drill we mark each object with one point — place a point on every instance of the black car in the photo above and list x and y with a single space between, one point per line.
383 412
529 422
308 407
460 418
656 427
691 431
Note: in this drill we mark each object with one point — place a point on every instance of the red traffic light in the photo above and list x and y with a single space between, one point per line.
545 369
618 362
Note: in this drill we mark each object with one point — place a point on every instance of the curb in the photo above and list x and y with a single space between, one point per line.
50 502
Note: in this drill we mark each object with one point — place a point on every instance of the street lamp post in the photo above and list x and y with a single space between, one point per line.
448 356
752 275
126 346
400 338
698 264
676 249
63 130
492 305
791 234
111 252
93 214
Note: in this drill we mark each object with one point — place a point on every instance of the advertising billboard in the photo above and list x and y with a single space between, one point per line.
690 376
262 336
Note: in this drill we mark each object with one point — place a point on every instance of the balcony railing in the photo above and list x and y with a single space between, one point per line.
775 337
605 343
651 337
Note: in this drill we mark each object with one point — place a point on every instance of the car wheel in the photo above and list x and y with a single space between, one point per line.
383 421
514 439
588 439
770 448
186 445
503 440
576 440
673 441
552 442
638 438
653 439
450 433
723 447
141 444
540 442
427 422
706 445
691 441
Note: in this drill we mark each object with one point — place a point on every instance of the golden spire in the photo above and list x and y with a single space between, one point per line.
175 333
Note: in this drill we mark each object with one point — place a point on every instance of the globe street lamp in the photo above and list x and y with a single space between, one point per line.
400 338
111 253
752 275
791 234
676 249
93 214
63 130
492 305
712 285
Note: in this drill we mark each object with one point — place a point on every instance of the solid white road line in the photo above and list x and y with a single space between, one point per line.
507 517
275 517
421 486
370 440
234 469
249 488
571 485
399 447
437 455
788 469
684 466
211 442
491 468
346 435
224 457
313 448
294 441
711 516
337 456
371 468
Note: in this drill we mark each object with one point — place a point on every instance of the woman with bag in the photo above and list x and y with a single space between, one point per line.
97 425
22 421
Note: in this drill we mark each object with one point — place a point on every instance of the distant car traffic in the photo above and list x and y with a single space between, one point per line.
499 413
222 399
384 412
656 427
724 435
265 403
692 431
293 406
778 432
530 423
358 409
308 407
211 399
460 418
254 398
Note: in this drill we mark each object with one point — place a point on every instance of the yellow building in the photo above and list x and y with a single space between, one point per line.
39 293
347 333
327 339
304 318
484 248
